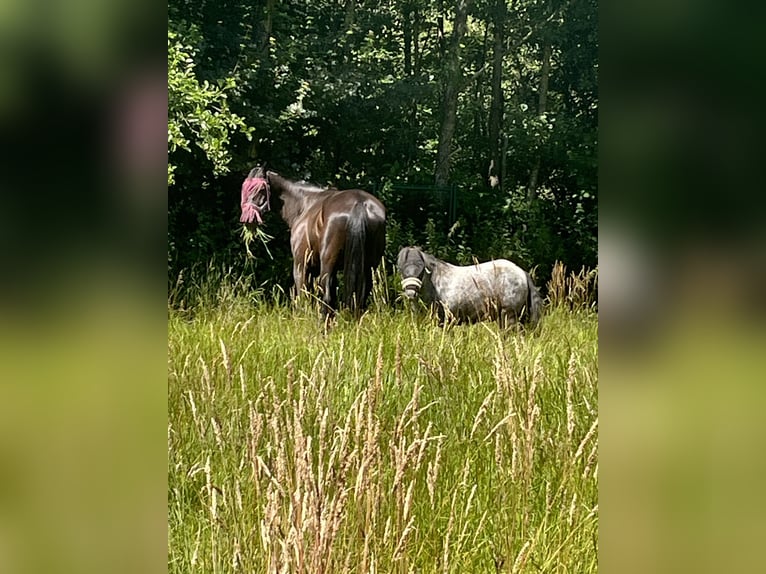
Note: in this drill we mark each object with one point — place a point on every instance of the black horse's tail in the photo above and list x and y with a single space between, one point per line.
353 267
534 303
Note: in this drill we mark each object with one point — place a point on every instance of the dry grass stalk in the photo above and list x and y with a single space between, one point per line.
466 472
432 471
399 550
379 369
256 430
225 360
573 290
195 553
307 500
322 440
448 533
590 433
582 288
521 557
481 411
238 495
422 444
236 560
408 500
557 285
365 564
212 492
217 432
398 362
466 512
387 530
571 375
479 528
591 458
502 378
505 420
206 381
533 412
570 518
514 454
193 405
499 456
242 387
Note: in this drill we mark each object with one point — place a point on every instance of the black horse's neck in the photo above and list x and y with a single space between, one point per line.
296 197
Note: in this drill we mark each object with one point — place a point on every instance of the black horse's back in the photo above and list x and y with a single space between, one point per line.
354 259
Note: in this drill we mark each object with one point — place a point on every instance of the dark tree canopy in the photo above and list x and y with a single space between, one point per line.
360 94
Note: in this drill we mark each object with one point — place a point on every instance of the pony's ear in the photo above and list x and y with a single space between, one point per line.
400 258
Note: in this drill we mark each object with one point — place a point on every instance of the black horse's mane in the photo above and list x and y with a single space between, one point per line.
306 194
302 186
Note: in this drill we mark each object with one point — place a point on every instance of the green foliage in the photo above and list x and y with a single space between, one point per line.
353 99
198 112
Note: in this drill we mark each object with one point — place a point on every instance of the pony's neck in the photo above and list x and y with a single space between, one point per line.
296 197
433 263
432 275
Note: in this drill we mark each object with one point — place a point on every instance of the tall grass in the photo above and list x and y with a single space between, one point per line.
383 445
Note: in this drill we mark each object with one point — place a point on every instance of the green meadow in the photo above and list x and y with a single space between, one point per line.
387 444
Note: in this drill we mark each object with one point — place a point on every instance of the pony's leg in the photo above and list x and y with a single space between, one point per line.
508 318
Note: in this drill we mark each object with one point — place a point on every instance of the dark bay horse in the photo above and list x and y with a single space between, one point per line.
331 230
496 289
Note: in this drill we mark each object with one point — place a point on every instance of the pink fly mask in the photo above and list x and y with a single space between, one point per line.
252 188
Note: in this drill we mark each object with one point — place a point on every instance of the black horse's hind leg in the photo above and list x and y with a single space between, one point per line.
328 283
367 288
328 292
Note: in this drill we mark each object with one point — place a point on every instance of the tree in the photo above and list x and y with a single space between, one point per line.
369 94
198 113
542 104
453 84
496 107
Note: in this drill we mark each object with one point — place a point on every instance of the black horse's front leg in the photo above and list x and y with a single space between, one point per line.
299 279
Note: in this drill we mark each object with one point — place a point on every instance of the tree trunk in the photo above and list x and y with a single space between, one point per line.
440 26
268 16
407 41
541 108
416 42
496 107
503 160
350 14
451 92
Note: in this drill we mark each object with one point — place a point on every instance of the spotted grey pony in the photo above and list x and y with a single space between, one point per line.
496 289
